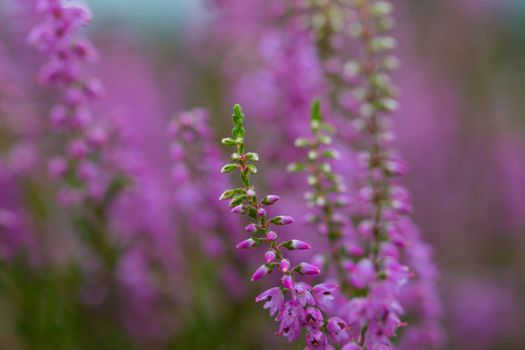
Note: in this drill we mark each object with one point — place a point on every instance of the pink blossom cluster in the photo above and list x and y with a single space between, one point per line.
58 37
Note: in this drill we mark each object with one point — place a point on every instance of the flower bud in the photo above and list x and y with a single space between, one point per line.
287 282
237 209
269 256
282 220
261 212
307 269
296 244
248 243
57 167
270 199
271 236
285 265
251 228
261 272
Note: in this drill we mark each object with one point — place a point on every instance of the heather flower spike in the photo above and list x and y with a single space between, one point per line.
379 272
67 52
291 299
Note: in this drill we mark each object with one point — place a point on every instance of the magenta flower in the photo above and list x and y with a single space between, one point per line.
307 269
363 273
316 340
351 346
282 220
262 271
296 244
287 282
251 228
273 298
324 295
269 256
248 243
270 199
337 329
314 318
302 292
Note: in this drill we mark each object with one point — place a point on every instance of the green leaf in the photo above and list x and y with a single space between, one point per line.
295 167
302 142
331 153
237 200
228 141
254 157
228 168
230 193
252 169
316 111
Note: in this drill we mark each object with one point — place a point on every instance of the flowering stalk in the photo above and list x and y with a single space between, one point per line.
58 37
362 91
295 303
327 188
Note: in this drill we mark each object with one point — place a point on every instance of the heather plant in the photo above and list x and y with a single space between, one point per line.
362 90
125 245
295 304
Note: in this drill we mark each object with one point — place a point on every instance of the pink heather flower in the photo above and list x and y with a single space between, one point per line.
262 271
302 292
57 167
58 37
285 265
337 329
314 318
270 199
324 295
237 209
77 149
247 243
251 228
363 273
282 220
365 228
352 346
316 340
395 271
271 236
291 316
269 256
296 244
287 282
355 311
307 269
273 298
396 167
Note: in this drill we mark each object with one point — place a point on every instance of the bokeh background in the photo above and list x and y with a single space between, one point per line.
461 127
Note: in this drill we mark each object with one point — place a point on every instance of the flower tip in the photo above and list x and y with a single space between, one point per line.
296 244
248 243
260 273
308 269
